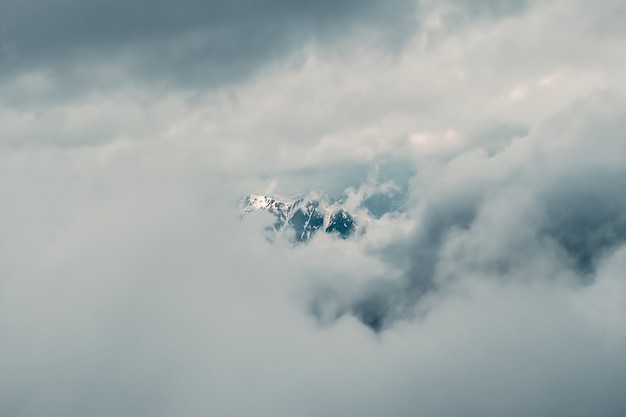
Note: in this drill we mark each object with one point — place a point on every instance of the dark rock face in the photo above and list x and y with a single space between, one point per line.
306 220
342 223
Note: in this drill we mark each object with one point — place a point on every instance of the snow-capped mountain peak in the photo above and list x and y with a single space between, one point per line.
304 217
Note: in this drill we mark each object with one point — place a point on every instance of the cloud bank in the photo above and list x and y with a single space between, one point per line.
480 143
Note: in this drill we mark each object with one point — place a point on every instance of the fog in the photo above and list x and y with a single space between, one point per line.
479 146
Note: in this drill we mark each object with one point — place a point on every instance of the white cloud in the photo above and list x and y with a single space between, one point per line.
518 93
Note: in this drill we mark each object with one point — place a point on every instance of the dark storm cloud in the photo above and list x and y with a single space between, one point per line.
204 42
100 44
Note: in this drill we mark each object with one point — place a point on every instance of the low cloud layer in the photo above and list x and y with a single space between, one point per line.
548 207
479 144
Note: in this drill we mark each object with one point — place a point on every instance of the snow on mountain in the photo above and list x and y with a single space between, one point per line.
304 217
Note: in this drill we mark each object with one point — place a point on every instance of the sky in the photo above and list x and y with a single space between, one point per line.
491 283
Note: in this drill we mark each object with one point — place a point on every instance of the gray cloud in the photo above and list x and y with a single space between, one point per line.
95 46
497 8
529 209
203 43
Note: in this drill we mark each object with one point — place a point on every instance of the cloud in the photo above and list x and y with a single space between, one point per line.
530 210
488 281
191 43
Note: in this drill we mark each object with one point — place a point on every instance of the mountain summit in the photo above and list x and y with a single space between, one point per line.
304 217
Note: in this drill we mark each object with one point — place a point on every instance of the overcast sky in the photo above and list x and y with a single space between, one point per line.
129 131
